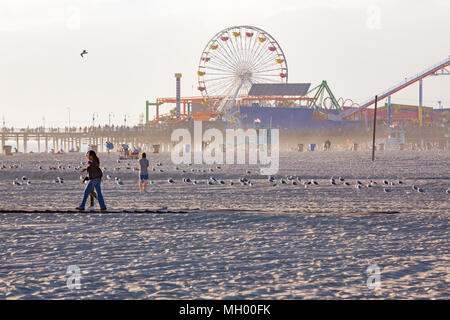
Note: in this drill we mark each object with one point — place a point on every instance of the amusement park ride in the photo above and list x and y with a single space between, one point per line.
237 58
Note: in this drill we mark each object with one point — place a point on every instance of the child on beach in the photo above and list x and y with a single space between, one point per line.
143 172
95 179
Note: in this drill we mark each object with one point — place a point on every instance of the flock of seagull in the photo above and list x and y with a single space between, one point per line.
244 180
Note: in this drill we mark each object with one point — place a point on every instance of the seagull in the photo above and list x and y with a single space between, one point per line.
341 179
399 181
420 190
386 190
170 180
250 183
414 187
83 53
385 182
274 185
346 183
119 182
17 183
24 178
332 182
357 186
194 182
28 183
294 183
392 183
81 178
210 183
108 177
231 183
448 191
314 182
221 182
282 181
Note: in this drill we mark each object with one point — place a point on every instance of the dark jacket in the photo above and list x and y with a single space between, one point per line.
94 171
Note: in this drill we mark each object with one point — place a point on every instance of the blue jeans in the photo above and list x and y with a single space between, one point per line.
94 183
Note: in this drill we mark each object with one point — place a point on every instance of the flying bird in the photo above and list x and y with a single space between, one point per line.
83 53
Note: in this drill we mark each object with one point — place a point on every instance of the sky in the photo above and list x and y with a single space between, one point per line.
360 47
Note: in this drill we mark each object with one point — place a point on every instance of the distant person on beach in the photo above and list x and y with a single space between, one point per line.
327 145
143 172
95 179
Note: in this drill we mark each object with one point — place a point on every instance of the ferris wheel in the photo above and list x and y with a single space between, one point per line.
235 59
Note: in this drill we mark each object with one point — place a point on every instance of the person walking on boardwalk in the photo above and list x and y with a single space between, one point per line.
95 179
143 172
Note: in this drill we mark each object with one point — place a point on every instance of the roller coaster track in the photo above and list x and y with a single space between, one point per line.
406 83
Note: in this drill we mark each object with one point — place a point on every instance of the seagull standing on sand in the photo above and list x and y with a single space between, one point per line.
83 53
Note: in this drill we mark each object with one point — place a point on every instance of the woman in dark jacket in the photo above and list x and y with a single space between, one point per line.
95 179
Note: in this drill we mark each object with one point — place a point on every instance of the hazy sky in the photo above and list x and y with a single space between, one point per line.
135 47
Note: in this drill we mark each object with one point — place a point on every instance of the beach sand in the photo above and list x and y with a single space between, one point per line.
233 241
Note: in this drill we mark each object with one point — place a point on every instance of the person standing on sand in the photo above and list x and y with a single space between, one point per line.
143 172
95 179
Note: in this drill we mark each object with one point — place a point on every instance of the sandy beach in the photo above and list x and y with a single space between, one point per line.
237 241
